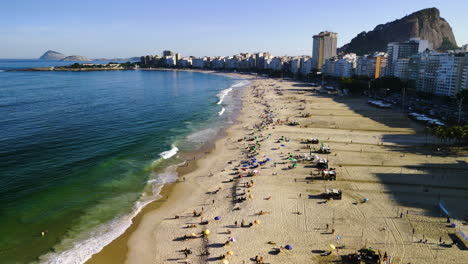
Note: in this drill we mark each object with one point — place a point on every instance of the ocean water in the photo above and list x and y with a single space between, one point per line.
82 152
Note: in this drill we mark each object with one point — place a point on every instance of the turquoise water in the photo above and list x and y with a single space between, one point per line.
77 150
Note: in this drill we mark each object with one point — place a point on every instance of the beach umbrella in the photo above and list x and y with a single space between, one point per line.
245 165
230 253
217 218
268 159
288 247
232 239
283 145
365 200
332 246
257 221
206 232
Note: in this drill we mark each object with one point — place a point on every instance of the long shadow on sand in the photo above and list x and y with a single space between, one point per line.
433 182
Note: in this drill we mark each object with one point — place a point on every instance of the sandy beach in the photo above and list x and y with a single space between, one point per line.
390 176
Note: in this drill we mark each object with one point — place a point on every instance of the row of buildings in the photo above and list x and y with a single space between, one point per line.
444 74
414 60
260 61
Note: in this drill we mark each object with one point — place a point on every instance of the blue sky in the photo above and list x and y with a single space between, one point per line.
118 28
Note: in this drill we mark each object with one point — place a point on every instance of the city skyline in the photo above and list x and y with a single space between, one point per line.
210 28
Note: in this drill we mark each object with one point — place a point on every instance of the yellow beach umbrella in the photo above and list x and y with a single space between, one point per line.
257 221
206 232
332 246
230 253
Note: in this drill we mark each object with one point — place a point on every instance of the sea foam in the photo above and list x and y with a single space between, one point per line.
225 92
82 250
169 153
222 111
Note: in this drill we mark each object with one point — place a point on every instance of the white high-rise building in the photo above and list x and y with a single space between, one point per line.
306 66
199 62
295 65
170 61
340 66
443 74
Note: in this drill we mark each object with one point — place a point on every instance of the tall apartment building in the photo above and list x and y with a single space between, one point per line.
401 68
372 65
324 47
464 76
178 56
306 65
443 74
295 65
340 66
274 64
404 50
167 53
200 62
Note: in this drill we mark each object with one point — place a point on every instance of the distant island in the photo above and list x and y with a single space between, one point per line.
111 66
54 55
75 58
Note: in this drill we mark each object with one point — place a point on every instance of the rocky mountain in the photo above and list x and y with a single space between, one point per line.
425 24
52 55
75 58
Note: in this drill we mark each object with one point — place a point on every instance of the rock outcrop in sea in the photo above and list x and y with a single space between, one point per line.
75 58
425 24
52 55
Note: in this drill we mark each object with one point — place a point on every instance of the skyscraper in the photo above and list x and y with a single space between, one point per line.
167 53
324 47
404 50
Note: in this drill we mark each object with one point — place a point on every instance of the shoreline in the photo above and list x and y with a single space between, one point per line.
116 251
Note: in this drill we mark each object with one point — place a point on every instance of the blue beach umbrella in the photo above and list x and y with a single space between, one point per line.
245 165
217 218
288 247
283 145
